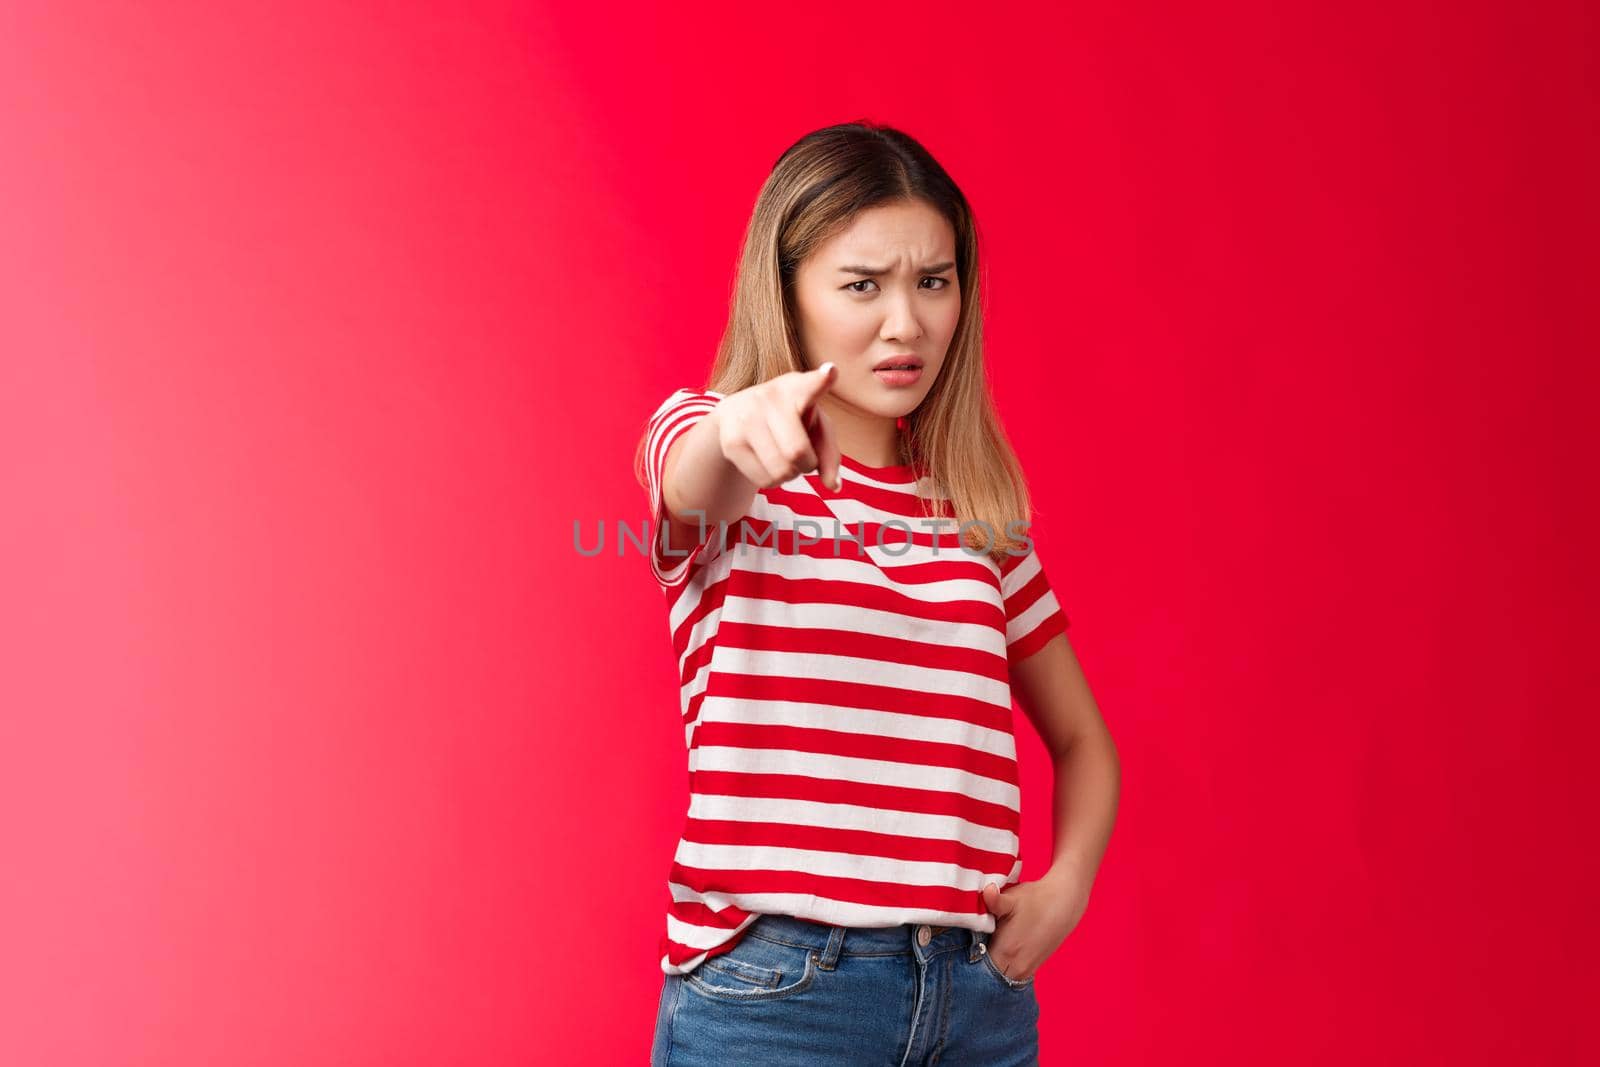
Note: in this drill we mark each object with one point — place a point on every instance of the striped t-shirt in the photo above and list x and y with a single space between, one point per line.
847 710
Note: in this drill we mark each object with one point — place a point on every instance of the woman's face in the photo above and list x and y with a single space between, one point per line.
885 287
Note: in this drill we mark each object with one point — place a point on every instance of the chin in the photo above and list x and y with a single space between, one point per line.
889 407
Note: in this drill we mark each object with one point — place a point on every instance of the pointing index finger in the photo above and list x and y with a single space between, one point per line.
814 385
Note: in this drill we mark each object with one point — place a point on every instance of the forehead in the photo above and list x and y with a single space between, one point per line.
913 229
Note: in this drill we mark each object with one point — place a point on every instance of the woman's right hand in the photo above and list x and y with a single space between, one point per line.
776 430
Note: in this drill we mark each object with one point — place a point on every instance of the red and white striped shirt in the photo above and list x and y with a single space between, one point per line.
847 710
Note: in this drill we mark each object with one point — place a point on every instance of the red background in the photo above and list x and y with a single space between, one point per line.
322 323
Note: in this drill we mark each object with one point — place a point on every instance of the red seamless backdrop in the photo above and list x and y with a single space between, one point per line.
321 324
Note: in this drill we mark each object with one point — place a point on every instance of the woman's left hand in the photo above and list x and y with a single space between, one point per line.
1033 918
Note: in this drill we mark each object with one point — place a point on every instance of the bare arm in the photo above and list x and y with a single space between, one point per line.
697 476
1051 689
1053 693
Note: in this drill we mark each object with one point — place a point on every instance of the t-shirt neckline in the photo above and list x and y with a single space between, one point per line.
892 472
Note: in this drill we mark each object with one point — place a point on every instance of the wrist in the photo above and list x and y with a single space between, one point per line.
1068 868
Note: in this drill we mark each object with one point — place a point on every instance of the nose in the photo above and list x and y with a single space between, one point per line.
900 323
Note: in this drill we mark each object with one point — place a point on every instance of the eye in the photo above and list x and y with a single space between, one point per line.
944 283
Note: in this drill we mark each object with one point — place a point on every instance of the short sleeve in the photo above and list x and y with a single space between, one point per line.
674 418
1033 614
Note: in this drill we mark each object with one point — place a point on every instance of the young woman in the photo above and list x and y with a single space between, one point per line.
840 529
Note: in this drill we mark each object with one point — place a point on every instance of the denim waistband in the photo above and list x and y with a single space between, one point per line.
858 939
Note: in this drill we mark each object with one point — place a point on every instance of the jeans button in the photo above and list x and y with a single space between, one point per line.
924 935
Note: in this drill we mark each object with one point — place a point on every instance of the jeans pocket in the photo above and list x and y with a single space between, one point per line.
755 969
1010 983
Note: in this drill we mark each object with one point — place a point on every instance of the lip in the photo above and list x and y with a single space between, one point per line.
913 360
899 379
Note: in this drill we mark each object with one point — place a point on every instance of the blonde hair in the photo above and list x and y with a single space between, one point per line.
816 188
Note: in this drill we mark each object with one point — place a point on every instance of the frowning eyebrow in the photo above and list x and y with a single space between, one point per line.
873 272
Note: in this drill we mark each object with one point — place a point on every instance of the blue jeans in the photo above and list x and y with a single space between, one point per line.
792 992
